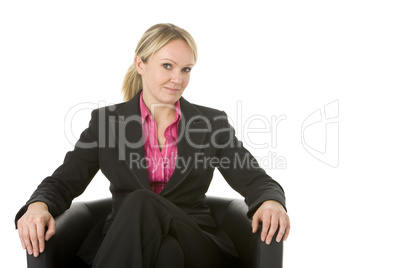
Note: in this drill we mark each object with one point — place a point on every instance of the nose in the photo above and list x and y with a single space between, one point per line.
177 77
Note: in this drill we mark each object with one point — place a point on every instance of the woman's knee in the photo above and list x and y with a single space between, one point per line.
138 196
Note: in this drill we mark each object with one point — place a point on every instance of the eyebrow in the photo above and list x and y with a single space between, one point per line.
176 62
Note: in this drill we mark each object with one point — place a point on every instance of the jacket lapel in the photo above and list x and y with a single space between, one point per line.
129 140
191 131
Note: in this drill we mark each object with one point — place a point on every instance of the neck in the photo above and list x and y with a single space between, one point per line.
163 114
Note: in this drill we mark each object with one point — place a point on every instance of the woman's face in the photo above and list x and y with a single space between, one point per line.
167 72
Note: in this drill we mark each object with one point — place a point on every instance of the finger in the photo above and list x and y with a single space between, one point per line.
27 240
34 239
282 229
40 230
254 223
272 229
287 230
266 223
21 236
51 229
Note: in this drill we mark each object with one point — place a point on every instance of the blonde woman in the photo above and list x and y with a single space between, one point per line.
159 152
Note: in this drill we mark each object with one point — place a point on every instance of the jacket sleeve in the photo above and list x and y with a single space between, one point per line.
242 171
71 178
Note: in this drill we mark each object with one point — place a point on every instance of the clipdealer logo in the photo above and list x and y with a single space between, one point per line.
257 131
320 134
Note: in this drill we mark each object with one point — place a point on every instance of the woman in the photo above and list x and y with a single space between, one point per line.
159 152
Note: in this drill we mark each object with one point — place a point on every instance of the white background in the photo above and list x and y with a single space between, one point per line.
278 58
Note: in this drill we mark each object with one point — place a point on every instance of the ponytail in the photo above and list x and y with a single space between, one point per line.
132 83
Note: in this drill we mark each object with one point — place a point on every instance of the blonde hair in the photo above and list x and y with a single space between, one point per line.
151 41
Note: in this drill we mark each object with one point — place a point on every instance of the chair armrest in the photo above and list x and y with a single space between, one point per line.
253 252
71 229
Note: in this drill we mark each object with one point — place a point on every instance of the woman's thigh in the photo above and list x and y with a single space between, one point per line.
141 223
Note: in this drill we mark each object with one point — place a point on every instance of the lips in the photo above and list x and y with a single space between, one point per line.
172 89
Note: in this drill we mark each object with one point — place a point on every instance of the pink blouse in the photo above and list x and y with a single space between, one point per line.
160 163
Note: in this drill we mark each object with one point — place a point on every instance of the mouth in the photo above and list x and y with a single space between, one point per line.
172 89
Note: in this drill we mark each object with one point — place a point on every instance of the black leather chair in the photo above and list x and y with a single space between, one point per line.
230 214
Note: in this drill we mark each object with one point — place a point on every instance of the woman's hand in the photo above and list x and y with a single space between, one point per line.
31 228
272 214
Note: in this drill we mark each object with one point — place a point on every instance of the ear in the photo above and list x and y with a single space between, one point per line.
139 65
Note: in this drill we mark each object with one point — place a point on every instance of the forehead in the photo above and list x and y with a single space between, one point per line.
176 50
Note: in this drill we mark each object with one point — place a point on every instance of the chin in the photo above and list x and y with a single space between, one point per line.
173 96
169 100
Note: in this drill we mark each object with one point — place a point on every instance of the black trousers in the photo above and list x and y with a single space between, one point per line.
150 231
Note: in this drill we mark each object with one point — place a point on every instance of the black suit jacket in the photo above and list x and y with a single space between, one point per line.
113 143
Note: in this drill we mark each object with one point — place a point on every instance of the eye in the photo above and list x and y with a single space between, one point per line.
187 69
167 66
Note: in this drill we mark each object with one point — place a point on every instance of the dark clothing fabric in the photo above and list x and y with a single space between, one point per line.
150 231
170 254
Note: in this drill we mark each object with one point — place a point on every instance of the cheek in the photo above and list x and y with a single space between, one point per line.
186 79
161 76
156 75
156 78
